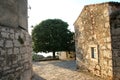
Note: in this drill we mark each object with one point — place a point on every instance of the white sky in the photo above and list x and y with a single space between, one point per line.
67 10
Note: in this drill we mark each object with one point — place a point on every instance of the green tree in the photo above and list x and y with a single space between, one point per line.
52 35
70 45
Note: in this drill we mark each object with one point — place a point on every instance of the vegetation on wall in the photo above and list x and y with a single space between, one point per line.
20 40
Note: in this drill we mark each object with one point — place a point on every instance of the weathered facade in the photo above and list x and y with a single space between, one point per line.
15 42
97 38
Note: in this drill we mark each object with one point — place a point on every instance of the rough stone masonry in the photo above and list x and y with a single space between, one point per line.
15 42
97 37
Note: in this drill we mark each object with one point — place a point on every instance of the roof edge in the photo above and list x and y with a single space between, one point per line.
110 3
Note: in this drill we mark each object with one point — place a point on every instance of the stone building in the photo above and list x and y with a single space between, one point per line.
15 42
97 38
66 55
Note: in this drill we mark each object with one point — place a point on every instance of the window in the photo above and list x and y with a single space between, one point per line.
93 52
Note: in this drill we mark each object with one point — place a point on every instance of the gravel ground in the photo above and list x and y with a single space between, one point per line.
59 70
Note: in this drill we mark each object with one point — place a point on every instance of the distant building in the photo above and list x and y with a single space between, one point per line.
97 38
66 55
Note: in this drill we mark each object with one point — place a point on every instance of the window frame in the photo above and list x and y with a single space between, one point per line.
93 52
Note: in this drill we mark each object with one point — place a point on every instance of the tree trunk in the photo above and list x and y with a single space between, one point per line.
54 54
69 51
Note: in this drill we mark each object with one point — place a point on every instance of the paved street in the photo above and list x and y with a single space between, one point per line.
58 70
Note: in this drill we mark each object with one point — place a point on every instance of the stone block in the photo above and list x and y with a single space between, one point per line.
23 50
10 51
9 13
11 77
9 71
107 54
8 43
108 39
6 68
116 69
26 75
14 62
1 43
4 29
117 61
16 51
109 46
116 31
2 52
11 58
19 68
5 34
110 63
16 43
17 34
107 25
3 63
117 75
19 57
15 65
12 36
103 47
11 31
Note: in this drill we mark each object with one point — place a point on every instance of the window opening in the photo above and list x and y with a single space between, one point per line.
93 52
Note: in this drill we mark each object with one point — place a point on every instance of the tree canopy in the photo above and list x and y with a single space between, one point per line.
52 35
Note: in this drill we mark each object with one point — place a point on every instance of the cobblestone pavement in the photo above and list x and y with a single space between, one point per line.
59 70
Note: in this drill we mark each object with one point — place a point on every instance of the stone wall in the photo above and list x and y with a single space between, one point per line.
93 40
66 55
115 35
15 42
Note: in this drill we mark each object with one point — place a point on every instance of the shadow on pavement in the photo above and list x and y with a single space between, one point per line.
37 77
65 64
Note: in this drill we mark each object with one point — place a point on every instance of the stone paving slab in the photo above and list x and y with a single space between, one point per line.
59 70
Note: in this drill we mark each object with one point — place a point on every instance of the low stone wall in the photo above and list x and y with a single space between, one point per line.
66 55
